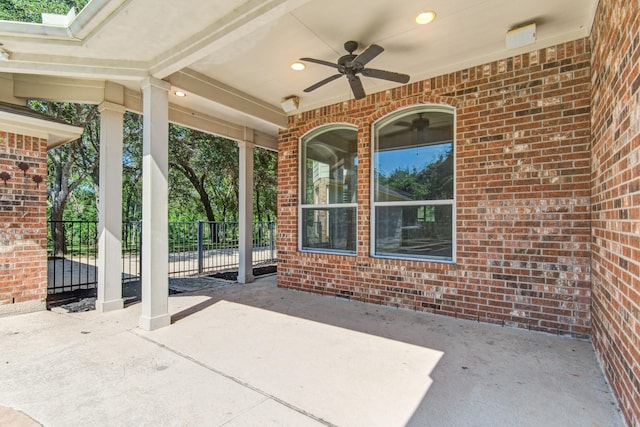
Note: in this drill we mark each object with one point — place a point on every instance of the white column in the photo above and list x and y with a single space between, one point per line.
245 210
155 233
110 209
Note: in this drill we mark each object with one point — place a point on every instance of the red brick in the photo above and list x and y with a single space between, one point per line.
23 269
615 259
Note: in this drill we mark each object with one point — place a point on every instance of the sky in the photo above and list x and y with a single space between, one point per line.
386 162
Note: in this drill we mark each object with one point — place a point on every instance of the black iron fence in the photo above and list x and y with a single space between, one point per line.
131 251
72 251
204 247
195 248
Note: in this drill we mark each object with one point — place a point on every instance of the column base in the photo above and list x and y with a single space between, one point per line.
153 323
105 306
248 278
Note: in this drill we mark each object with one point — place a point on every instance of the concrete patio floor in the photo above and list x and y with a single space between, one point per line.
256 355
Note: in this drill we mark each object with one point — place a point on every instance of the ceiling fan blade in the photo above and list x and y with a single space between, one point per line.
320 61
322 82
368 54
404 124
385 75
356 86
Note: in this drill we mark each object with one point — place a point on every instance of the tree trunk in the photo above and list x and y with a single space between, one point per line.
57 232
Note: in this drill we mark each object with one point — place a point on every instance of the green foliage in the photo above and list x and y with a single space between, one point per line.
265 185
204 182
132 168
203 175
203 171
70 194
434 182
32 10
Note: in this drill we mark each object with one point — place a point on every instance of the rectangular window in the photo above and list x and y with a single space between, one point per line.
329 229
328 190
400 231
413 185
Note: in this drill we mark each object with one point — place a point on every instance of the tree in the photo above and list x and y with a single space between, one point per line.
433 182
187 149
203 168
69 166
132 167
265 184
31 11
208 165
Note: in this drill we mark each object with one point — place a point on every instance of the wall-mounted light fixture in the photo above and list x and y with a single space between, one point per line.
290 103
521 36
23 167
5 177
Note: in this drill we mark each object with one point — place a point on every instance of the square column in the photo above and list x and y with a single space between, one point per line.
155 222
110 208
245 211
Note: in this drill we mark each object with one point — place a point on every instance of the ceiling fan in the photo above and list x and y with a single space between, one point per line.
351 65
425 132
420 124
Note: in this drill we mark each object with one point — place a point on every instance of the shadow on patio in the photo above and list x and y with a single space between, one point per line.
258 355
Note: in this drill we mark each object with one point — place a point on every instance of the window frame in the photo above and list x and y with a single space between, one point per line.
301 191
396 115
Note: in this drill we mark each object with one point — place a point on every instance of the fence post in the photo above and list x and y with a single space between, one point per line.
140 248
200 248
272 241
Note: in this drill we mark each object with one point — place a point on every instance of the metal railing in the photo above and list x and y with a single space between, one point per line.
195 249
202 247
72 251
131 251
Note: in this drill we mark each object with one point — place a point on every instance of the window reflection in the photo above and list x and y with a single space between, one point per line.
423 231
413 167
329 189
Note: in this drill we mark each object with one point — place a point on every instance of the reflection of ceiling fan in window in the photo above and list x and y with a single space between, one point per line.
424 131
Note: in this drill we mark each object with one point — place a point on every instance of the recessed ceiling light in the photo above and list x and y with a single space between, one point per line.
425 17
298 66
180 93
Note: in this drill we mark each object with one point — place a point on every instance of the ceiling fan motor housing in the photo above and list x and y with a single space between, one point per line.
350 46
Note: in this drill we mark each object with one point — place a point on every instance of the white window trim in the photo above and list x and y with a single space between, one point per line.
302 153
397 114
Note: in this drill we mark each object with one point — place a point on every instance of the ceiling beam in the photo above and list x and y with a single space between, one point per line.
61 89
96 91
203 122
194 82
231 28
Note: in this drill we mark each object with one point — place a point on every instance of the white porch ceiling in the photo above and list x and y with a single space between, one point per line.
233 57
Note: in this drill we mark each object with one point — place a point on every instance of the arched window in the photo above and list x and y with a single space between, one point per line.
328 190
413 181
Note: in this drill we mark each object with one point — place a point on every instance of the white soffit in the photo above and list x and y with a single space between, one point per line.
54 133
248 45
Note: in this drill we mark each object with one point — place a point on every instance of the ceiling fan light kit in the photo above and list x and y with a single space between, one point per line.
351 65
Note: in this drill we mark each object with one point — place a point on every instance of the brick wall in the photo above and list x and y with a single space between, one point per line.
616 198
522 182
23 256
